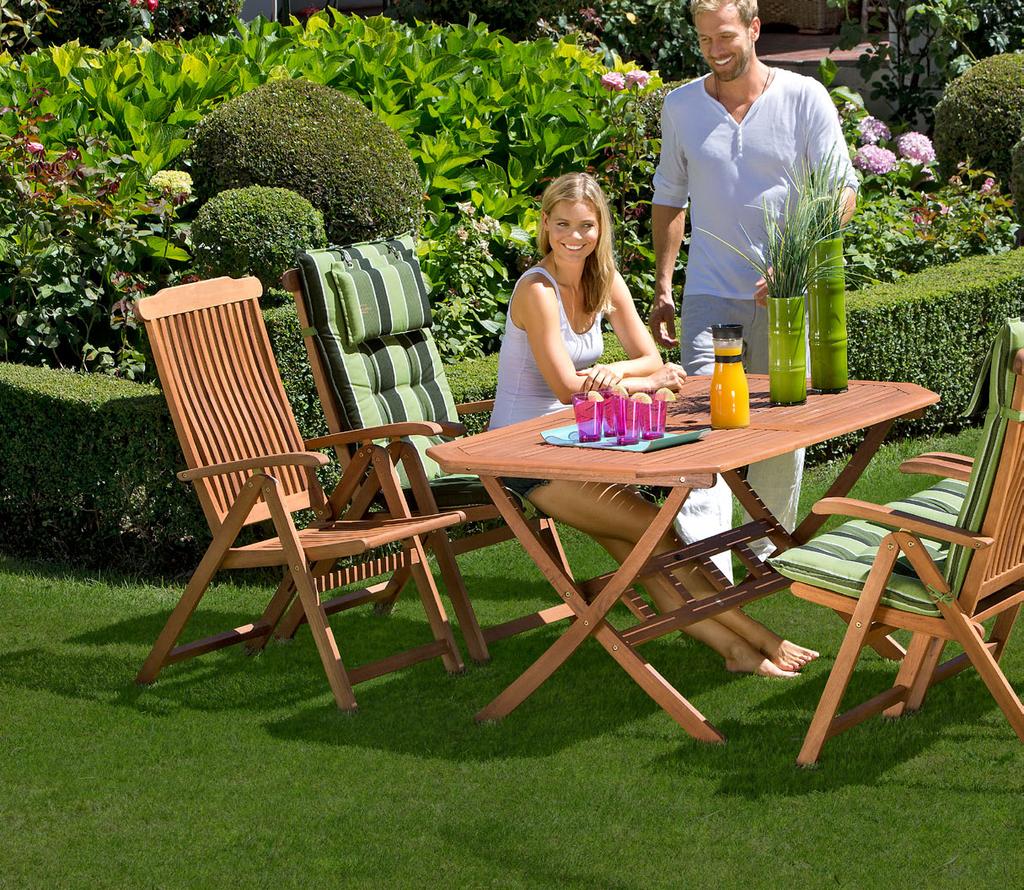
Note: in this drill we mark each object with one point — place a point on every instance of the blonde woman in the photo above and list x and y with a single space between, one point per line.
552 348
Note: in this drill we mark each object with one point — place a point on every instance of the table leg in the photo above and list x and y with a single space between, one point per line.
845 480
590 619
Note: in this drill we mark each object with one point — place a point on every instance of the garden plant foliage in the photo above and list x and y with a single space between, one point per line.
488 121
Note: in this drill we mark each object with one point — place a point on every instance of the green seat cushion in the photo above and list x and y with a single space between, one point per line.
458 490
841 560
389 378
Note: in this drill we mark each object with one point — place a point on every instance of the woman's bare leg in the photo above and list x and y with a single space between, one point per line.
616 516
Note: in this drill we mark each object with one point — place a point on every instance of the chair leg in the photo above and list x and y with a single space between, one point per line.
910 668
925 676
849 652
457 593
1002 629
387 478
272 614
316 618
200 580
986 665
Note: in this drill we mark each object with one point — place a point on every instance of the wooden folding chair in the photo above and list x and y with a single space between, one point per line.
249 464
366 324
936 564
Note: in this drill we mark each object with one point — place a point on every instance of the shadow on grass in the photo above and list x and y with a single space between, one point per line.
589 697
759 761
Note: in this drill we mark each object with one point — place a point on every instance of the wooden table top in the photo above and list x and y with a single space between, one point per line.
519 450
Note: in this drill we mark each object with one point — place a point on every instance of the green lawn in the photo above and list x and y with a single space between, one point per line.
237 771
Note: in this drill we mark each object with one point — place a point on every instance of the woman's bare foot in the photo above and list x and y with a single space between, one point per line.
747 660
790 657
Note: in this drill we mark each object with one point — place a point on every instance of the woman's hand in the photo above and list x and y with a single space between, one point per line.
669 375
598 377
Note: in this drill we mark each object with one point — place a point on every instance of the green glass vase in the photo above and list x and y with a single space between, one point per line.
826 309
787 351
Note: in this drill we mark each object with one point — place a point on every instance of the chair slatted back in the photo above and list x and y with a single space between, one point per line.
994 503
223 388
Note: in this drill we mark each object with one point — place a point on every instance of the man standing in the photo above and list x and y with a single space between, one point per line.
733 141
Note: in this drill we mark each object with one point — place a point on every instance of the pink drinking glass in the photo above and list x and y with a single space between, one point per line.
629 416
652 419
589 417
612 418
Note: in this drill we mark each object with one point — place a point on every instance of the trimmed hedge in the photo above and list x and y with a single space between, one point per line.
87 463
87 466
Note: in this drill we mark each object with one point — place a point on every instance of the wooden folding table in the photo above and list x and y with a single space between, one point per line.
520 451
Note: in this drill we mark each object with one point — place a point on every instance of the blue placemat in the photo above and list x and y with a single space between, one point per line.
569 435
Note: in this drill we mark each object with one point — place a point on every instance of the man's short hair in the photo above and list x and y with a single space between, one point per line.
746 8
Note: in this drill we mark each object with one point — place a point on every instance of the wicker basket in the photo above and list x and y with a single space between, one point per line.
809 16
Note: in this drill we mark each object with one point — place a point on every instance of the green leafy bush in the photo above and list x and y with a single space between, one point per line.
899 230
980 116
655 34
24 24
255 231
95 22
518 20
75 245
320 143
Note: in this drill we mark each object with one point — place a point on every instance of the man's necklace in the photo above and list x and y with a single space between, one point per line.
764 86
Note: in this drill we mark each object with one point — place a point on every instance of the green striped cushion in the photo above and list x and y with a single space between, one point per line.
997 381
365 282
387 379
841 559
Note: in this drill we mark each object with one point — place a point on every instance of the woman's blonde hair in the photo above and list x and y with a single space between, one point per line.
599 268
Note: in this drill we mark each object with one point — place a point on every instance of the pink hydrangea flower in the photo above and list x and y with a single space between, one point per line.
637 78
919 218
915 147
872 131
152 5
874 159
613 81
944 209
989 185
37 148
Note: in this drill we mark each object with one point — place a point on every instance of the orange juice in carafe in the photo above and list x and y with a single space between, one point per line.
730 397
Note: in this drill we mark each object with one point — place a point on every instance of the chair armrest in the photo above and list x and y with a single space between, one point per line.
883 515
451 430
940 463
289 459
475 407
368 434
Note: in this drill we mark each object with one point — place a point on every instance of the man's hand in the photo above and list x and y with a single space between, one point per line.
761 290
669 375
663 323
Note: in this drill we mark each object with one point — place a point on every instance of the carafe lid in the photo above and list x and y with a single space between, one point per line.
727 331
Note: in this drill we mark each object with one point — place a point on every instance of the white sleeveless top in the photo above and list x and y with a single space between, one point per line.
522 392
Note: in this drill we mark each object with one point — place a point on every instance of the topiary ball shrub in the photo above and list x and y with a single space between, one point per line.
980 116
255 231
1017 177
312 139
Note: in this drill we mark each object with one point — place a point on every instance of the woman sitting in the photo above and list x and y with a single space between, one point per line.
551 348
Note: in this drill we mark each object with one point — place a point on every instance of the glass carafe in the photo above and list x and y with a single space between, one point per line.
730 396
